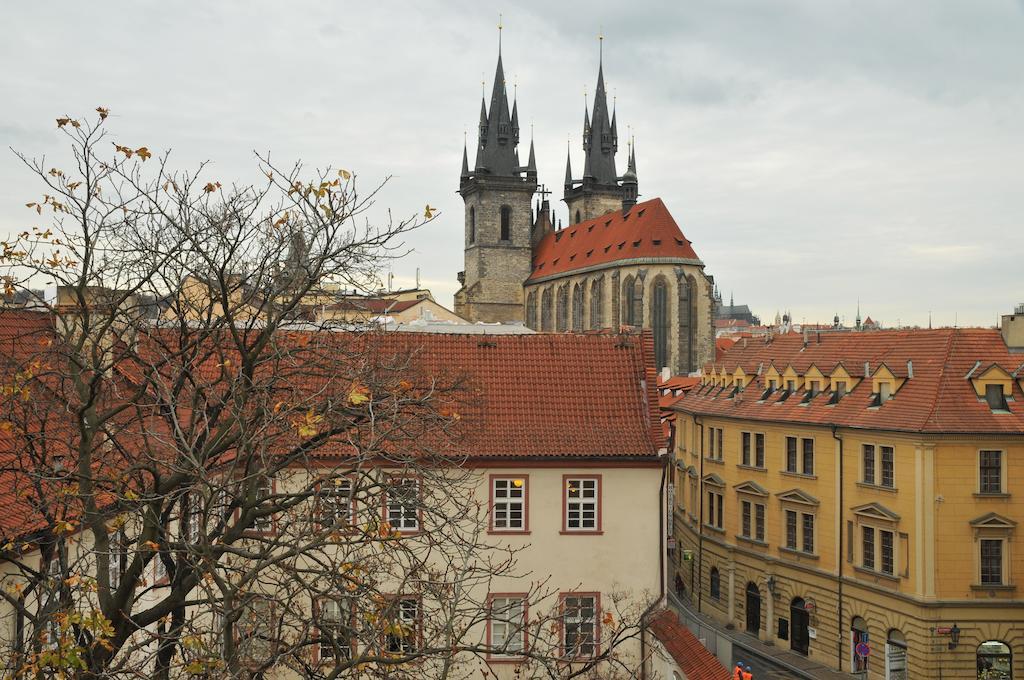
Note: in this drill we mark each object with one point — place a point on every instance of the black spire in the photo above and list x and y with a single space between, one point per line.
499 131
465 162
629 181
568 168
600 138
531 165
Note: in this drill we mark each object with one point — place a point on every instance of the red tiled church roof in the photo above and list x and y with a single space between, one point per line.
647 230
693 658
936 396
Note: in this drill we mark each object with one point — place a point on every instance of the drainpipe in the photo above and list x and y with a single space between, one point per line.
841 540
700 522
661 568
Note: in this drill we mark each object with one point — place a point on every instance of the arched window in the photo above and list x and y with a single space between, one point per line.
472 225
800 623
531 310
659 321
506 223
577 217
627 301
577 308
895 656
995 661
716 584
545 310
562 309
858 636
596 304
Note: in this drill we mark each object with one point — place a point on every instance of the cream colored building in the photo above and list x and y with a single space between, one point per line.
857 498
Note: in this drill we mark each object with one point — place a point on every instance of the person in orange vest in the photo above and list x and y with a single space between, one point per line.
747 673
737 673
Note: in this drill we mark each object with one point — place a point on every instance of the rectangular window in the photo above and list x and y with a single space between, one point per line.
335 627
791 529
808 533
991 472
840 389
869 464
715 509
581 504
759 521
508 625
579 626
888 465
746 519
884 391
808 456
868 548
255 630
791 454
886 546
264 490
404 632
711 442
336 506
759 450
403 500
815 388
508 503
118 560
991 562
745 447
721 441
994 397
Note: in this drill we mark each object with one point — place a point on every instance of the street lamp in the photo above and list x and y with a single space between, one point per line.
770 583
954 636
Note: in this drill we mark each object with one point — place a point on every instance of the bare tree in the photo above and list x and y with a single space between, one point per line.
203 477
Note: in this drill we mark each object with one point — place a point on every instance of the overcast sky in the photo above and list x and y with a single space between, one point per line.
814 151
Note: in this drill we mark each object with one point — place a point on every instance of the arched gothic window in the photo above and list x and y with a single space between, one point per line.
577 217
716 584
626 300
660 321
562 309
531 310
995 661
472 225
596 304
545 310
506 223
577 308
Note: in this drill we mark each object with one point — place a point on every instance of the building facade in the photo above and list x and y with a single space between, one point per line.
619 262
856 498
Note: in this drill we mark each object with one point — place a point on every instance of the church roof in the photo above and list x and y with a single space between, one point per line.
647 230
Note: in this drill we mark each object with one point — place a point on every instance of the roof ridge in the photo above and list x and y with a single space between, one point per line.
941 380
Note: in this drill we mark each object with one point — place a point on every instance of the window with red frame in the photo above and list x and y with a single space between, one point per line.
335 629
403 631
508 625
579 625
402 505
336 503
508 503
581 504
264 490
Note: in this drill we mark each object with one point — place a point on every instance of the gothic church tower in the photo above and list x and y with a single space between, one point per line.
497 194
599 191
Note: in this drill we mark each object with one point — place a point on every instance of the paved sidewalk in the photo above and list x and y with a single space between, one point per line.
769 662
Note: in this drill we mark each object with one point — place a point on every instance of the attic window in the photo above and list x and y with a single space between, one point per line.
607 248
884 391
607 223
995 398
558 236
572 257
680 242
590 252
838 393
641 213
572 234
554 262
622 244
656 241
590 228
636 244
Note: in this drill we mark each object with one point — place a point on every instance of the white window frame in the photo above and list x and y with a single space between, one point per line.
507 619
505 502
400 515
574 619
582 495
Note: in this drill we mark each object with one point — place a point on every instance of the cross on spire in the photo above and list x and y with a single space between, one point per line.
543 191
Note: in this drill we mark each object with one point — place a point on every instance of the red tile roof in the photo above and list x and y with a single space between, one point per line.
938 398
693 658
723 345
647 230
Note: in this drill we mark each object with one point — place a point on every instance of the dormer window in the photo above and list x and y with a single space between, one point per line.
840 389
884 392
995 398
773 384
791 386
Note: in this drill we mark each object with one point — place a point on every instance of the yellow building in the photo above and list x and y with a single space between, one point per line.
856 498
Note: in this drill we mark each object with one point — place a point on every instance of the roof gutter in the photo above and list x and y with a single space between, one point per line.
839 568
661 567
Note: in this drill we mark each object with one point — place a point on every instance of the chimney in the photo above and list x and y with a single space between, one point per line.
1013 329
910 368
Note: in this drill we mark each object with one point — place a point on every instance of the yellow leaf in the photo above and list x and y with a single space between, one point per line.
429 211
61 122
344 174
359 394
143 153
104 112
211 187
131 495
